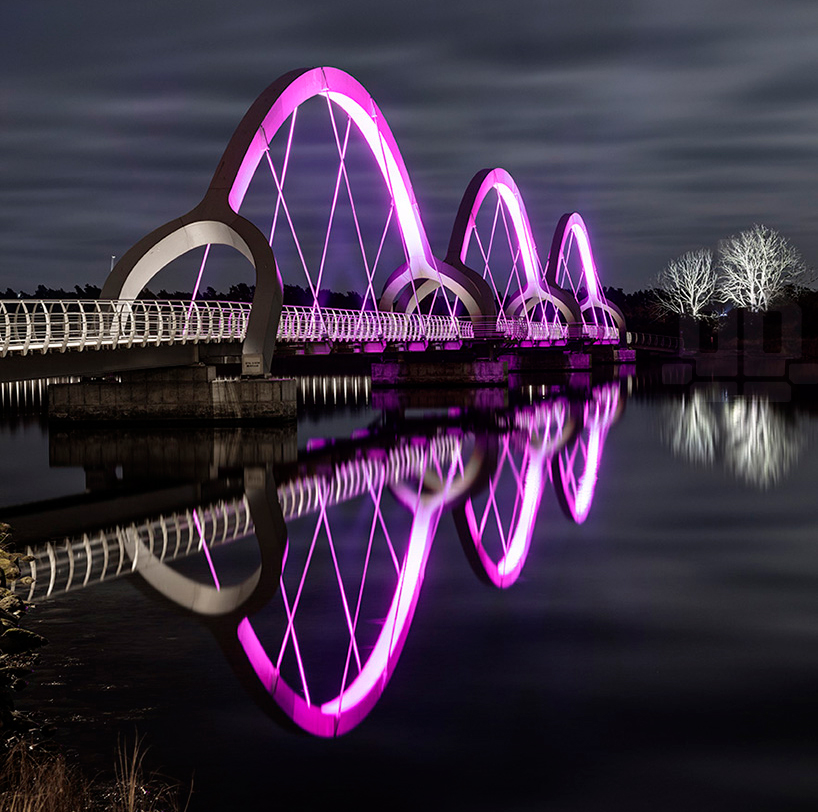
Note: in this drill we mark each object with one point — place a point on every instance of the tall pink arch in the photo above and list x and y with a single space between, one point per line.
272 109
535 291
217 218
422 267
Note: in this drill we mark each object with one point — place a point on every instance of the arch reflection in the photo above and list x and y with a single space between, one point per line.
344 529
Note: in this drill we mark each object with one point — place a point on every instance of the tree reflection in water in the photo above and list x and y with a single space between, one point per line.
753 440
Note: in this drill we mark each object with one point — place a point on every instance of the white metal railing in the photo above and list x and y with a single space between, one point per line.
30 326
602 333
524 330
349 326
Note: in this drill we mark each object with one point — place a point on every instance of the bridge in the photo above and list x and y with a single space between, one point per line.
487 471
348 217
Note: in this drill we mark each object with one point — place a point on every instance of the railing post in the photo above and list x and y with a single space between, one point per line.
7 327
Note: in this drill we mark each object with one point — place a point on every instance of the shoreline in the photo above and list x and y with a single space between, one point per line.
18 645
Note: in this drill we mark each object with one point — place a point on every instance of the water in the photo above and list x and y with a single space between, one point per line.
655 649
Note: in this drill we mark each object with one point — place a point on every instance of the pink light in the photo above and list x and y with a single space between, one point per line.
573 225
587 483
588 268
502 182
507 570
536 457
599 417
350 96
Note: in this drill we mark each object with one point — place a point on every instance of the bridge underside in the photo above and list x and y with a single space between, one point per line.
110 362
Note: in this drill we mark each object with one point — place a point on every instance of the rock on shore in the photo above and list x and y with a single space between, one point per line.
17 645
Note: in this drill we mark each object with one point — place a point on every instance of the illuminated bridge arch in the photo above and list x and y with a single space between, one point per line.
217 218
520 288
571 266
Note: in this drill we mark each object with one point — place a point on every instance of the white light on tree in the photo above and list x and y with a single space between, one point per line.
757 267
687 286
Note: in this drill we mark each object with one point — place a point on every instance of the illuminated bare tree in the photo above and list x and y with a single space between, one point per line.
687 286
757 267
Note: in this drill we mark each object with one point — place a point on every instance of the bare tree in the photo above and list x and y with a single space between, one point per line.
757 267
687 285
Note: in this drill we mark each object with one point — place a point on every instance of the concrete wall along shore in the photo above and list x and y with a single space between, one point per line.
182 393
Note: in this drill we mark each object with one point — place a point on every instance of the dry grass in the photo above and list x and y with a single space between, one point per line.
37 782
135 791
34 781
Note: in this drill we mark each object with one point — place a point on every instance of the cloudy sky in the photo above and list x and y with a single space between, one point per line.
667 124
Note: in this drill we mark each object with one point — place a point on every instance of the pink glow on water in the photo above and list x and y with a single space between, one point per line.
600 414
506 571
541 434
584 496
542 437
346 710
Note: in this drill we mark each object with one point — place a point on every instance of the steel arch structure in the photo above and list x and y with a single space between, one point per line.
530 291
601 318
219 219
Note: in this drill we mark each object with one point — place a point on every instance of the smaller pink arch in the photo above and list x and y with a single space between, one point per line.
573 226
502 182
534 291
577 495
557 428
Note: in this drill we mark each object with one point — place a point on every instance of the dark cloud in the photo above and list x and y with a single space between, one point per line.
667 124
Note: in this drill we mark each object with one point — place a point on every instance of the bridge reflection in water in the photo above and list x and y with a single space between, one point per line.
344 530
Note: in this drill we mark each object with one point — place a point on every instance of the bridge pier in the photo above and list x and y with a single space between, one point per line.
412 371
183 393
611 354
539 360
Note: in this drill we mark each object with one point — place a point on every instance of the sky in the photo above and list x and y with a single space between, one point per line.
668 125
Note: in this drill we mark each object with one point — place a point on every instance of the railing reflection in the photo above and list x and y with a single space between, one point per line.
344 535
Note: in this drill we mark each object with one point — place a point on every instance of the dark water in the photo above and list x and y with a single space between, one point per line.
656 651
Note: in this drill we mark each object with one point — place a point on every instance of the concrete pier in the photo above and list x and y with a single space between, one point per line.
463 372
182 393
547 360
609 354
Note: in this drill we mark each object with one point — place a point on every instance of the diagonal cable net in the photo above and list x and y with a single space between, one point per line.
343 565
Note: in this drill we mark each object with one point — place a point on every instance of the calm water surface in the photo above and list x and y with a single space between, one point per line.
575 600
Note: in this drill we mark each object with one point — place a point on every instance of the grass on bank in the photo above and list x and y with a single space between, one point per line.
37 781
